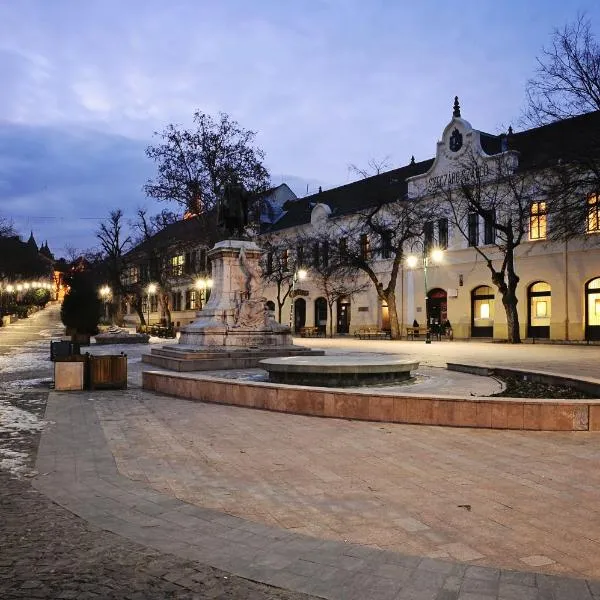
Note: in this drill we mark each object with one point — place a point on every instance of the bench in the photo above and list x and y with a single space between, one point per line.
436 333
372 333
312 332
415 332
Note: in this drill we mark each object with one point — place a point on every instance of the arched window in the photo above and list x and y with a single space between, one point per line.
482 311
592 309
270 305
539 309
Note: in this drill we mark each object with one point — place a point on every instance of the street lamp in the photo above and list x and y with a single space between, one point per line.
202 285
104 294
151 291
435 257
299 275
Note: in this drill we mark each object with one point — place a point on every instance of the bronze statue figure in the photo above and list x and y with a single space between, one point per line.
232 211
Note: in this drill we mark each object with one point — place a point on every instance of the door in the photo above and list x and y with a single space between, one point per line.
385 317
592 310
321 314
343 316
482 312
437 309
299 314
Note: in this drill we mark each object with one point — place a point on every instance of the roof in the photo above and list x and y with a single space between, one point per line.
385 187
571 139
180 233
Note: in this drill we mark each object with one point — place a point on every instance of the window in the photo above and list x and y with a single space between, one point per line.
593 214
191 300
365 249
300 256
489 231
285 259
131 275
201 259
316 255
473 229
343 248
386 244
177 265
442 233
427 236
190 260
537 221
177 300
269 265
325 253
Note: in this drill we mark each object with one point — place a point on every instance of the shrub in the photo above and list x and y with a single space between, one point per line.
81 308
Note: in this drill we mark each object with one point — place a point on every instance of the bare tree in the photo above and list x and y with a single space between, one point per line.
6 227
567 80
567 85
374 167
502 198
114 243
373 241
194 166
334 278
277 270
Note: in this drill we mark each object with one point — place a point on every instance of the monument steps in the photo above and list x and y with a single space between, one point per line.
189 359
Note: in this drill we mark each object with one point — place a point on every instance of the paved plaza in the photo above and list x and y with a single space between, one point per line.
200 500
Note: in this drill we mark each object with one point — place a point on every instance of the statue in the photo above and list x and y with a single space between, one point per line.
232 211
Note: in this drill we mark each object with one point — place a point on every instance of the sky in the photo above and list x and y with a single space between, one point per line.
85 84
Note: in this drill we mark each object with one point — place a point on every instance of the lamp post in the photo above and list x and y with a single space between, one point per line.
151 291
299 275
104 294
436 256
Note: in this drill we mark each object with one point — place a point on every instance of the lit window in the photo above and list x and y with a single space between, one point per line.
365 248
537 221
485 311
593 214
541 308
177 265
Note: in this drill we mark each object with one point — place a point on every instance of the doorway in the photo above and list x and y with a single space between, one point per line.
343 315
592 309
299 314
321 314
482 312
539 310
385 317
437 308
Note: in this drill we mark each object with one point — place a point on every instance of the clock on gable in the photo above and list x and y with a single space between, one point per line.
456 140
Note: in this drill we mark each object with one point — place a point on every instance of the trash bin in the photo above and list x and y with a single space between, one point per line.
62 348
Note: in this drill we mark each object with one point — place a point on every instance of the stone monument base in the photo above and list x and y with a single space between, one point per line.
179 358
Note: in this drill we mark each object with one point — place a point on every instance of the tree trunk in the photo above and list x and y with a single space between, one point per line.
509 300
330 305
279 310
395 332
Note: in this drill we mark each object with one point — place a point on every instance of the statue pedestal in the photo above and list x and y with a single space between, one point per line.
234 330
235 315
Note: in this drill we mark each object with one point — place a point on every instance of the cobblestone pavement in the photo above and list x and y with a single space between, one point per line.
47 552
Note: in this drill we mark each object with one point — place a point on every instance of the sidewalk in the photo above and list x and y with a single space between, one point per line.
77 470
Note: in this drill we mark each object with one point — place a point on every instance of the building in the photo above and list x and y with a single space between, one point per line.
559 288
167 277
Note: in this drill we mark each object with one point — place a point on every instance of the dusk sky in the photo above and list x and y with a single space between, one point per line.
85 83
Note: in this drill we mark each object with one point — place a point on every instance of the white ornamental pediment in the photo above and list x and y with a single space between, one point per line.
459 159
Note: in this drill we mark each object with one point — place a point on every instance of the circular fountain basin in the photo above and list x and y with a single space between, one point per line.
338 371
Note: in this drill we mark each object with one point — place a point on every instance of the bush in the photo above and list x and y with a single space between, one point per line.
81 308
